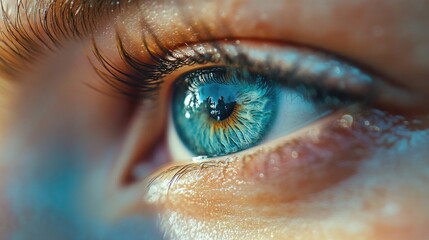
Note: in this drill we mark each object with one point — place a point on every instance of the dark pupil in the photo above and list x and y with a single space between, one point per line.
219 99
219 109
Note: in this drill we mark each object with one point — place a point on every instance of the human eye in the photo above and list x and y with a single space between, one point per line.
266 91
227 108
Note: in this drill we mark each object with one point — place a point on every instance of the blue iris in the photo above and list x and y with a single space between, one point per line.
218 111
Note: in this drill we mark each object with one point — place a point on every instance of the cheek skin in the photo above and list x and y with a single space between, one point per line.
347 181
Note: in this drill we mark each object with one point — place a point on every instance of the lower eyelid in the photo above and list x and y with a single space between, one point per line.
306 163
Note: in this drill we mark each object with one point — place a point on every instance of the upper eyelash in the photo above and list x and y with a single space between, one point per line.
142 79
38 27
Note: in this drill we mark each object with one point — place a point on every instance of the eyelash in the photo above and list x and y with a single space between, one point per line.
60 20
141 80
181 171
39 27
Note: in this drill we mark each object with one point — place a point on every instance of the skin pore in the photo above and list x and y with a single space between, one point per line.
68 142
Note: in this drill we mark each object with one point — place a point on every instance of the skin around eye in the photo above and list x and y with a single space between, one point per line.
256 192
325 82
307 175
309 67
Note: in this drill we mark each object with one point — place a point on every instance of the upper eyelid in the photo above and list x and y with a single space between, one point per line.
57 31
18 47
142 78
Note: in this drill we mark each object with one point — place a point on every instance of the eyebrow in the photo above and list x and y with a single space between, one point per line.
32 28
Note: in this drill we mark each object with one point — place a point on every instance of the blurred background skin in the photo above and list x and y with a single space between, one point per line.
60 140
